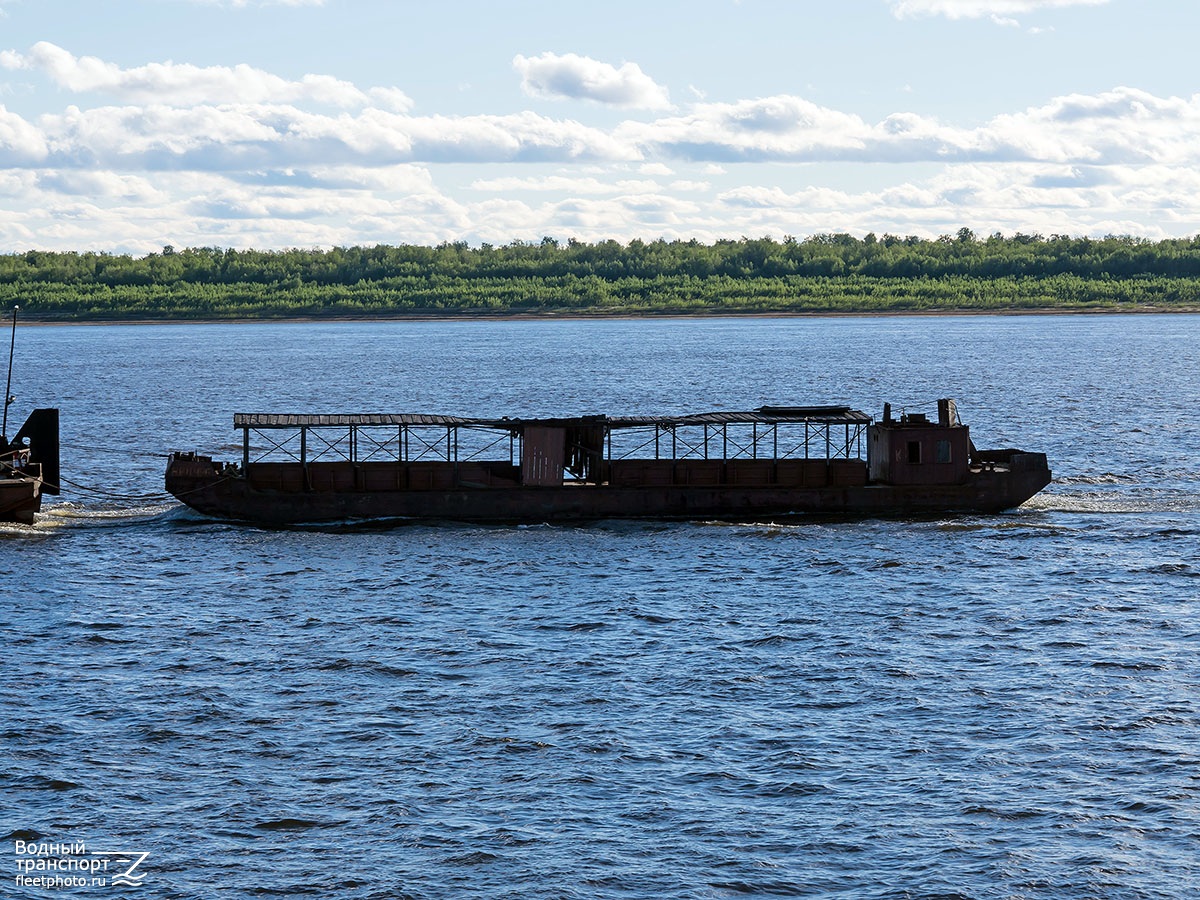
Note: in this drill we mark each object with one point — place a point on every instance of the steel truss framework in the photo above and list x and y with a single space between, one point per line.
739 440
826 433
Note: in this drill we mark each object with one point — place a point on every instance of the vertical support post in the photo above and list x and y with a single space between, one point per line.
754 441
305 481
724 441
806 438
245 450
12 347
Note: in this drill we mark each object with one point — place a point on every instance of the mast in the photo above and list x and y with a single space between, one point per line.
8 397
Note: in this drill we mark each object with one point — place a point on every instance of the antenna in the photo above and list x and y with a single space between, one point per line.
8 397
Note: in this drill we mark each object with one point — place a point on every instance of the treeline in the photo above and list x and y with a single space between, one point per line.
824 273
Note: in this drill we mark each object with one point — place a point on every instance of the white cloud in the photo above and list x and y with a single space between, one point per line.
16 182
408 179
319 162
195 209
101 185
178 84
655 168
579 78
237 138
522 137
1010 198
1000 11
563 184
770 128
20 142
1121 125
1124 125
391 99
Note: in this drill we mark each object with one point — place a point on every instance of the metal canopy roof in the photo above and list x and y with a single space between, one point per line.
765 415
344 420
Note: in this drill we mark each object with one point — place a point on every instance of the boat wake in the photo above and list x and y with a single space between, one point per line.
74 515
1115 502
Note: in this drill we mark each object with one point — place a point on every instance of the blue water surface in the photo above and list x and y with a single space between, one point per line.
977 707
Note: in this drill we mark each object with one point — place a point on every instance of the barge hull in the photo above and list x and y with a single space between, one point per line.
20 499
235 498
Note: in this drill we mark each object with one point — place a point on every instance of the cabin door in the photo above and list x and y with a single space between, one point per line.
542 453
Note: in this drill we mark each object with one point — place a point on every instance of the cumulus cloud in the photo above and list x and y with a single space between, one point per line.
563 184
1000 10
1011 198
179 84
790 129
21 143
259 131
770 128
401 178
521 137
101 185
1124 125
1121 125
579 78
240 138
194 209
183 156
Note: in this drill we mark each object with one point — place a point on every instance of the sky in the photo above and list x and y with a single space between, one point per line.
128 126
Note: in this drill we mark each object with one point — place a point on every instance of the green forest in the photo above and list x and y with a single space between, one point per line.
825 273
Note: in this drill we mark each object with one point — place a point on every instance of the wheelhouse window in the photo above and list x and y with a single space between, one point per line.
942 453
914 453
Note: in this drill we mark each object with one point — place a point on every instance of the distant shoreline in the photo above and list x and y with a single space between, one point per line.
828 275
576 315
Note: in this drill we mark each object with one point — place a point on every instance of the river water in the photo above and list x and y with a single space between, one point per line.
977 707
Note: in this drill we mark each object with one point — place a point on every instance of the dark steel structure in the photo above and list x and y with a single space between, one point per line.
766 463
28 463
29 467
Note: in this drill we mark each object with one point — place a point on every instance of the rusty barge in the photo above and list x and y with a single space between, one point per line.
29 467
29 462
768 463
